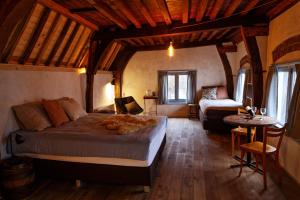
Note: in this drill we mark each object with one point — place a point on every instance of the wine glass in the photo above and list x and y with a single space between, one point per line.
263 111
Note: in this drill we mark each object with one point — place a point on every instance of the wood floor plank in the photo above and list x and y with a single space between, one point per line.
194 166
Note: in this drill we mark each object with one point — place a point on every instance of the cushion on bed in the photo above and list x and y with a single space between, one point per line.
222 92
32 116
133 108
72 108
209 93
55 112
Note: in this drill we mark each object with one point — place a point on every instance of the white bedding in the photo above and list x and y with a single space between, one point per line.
218 104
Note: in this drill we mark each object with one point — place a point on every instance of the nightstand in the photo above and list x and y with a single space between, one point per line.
193 111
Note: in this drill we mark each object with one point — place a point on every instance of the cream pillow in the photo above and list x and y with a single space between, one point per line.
72 108
32 116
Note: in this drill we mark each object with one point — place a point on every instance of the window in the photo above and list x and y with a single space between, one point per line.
240 86
177 87
280 94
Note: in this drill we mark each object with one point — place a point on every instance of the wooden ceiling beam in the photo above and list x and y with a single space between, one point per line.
67 45
201 8
108 13
121 5
47 40
257 31
159 31
234 4
106 56
249 7
84 48
212 35
281 7
220 36
187 44
216 9
112 57
185 11
144 11
35 36
227 48
58 42
163 7
60 9
203 36
81 10
76 46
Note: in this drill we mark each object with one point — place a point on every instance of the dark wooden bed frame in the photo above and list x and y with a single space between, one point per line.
101 173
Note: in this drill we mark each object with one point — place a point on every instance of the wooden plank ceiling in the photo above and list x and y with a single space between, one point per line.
57 32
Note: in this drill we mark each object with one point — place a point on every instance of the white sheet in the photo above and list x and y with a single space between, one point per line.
219 104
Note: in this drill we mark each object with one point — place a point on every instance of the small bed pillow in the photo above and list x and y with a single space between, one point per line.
222 93
55 112
209 93
32 116
133 108
72 108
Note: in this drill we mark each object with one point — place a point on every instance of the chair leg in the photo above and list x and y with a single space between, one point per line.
264 162
232 142
239 140
256 162
278 169
242 159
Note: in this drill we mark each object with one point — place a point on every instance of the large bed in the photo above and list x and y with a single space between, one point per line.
212 112
84 149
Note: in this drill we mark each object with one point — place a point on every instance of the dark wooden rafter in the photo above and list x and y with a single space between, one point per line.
212 34
144 11
163 7
185 11
201 8
249 6
121 5
287 46
5 8
67 45
250 31
84 58
58 41
81 53
203 36
47 40
81 10
35 36
216 9
106 55
256 66
222 24
223 33
113 56
19 25
281 7
76 46
108 13
232 7
227 48
60 9
245 60
227 70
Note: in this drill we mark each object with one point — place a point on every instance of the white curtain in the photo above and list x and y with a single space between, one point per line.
163 87
240 86
191 88
270 101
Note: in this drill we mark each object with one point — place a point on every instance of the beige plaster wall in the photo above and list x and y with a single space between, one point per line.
141 73
19 86
281 28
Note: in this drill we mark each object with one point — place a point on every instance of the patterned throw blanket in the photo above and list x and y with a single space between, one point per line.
125 124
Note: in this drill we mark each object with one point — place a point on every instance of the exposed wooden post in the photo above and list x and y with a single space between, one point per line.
118 66
227 69
96 51
256 66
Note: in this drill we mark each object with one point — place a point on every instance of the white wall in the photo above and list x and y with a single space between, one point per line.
281 28
141 73
29 84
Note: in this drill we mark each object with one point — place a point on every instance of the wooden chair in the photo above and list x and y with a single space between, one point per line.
240 132
263 149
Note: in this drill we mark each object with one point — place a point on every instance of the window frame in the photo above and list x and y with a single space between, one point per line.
177 100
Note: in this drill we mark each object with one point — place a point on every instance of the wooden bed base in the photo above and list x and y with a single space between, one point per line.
101 173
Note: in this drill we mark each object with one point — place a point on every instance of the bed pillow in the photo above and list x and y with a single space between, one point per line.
72 108
222 93
133 108
32 116
55 112
209 93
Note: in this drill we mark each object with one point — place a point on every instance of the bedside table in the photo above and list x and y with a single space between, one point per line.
193 111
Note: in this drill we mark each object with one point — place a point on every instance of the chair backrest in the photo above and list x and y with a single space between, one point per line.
242 111
121 108
274 133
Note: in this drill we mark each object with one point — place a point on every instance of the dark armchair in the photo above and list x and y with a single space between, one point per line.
127 105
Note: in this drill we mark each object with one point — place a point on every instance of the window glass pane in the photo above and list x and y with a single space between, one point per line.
283 77
171 87
182 86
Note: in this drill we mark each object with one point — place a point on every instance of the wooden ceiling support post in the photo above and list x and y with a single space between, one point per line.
227 69
96 50
256 66
118 66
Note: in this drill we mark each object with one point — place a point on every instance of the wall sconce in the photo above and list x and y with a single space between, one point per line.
82 70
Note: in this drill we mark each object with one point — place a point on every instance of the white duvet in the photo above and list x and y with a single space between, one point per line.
218 104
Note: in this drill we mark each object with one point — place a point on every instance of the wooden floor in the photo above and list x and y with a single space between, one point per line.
195 165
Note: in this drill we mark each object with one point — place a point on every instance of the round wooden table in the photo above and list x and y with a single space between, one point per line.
249 122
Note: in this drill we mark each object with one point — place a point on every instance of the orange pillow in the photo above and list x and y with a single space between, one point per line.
55 112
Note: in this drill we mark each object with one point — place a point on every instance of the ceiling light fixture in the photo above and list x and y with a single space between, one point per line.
171 50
